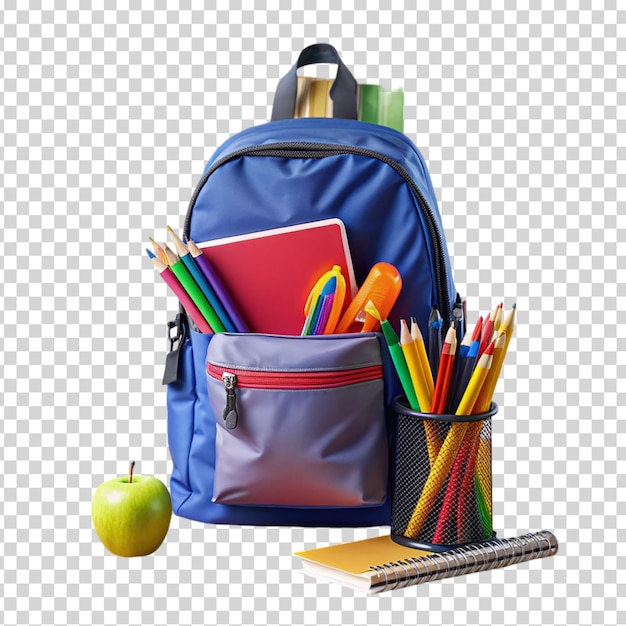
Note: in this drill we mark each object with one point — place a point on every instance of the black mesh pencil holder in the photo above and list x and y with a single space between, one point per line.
442 485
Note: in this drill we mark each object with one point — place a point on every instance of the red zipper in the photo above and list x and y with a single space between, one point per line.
257 379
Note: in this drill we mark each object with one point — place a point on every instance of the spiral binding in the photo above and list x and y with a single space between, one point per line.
492 554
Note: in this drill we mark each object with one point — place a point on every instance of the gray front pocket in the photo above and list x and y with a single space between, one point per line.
300 420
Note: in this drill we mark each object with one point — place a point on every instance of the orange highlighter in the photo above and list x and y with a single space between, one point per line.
338 300
382 287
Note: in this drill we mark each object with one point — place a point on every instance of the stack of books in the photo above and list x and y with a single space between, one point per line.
376 105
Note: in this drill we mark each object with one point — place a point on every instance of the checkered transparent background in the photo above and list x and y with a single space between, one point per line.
107 119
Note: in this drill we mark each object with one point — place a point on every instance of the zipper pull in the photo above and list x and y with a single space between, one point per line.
230 414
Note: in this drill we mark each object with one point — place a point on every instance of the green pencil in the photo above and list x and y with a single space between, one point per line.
195 293
397 356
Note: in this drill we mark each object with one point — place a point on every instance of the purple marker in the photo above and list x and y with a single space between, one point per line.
327 296
220 291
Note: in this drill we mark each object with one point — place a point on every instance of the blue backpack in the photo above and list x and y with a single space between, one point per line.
322 456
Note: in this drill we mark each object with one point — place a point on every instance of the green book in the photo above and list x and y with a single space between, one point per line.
368 103
391 109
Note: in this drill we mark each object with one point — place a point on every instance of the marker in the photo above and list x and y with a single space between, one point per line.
337 303
382 287
326 299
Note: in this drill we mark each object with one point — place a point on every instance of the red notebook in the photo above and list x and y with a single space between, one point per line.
269 274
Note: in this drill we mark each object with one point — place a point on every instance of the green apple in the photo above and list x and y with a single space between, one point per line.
131 514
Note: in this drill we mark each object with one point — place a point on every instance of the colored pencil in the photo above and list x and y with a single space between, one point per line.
218 287
446 372
410 351
483 402
418 378
447 454
187 258
416 333
184 277
464 373
168 276
159 250
397 356
434 340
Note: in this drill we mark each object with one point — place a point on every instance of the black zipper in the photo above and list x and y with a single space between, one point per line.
310 150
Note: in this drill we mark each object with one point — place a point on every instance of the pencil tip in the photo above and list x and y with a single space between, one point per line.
370 308
514 305
150 253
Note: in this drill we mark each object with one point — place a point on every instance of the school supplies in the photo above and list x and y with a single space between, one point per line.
445 374
381 287
416 334
168 276
500 349
379 564
464 370
271 273
379 106
221 293
187 258
410 351
447 454
395 350
334 304
434 340
191 287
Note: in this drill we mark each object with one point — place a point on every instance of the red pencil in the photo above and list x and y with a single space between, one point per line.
486 334
168 276
444 375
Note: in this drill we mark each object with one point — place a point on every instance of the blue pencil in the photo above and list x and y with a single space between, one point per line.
464 373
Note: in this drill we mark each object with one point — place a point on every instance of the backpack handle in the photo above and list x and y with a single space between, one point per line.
342 93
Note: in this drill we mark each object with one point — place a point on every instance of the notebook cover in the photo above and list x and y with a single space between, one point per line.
357 557
269 274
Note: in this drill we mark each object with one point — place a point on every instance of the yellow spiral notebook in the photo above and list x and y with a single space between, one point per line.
379 564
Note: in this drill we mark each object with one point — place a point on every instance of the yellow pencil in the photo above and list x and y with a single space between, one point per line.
483 469
505 332
411 355
445 459
418 338
418 378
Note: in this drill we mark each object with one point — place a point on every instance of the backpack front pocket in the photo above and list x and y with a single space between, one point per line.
300 420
